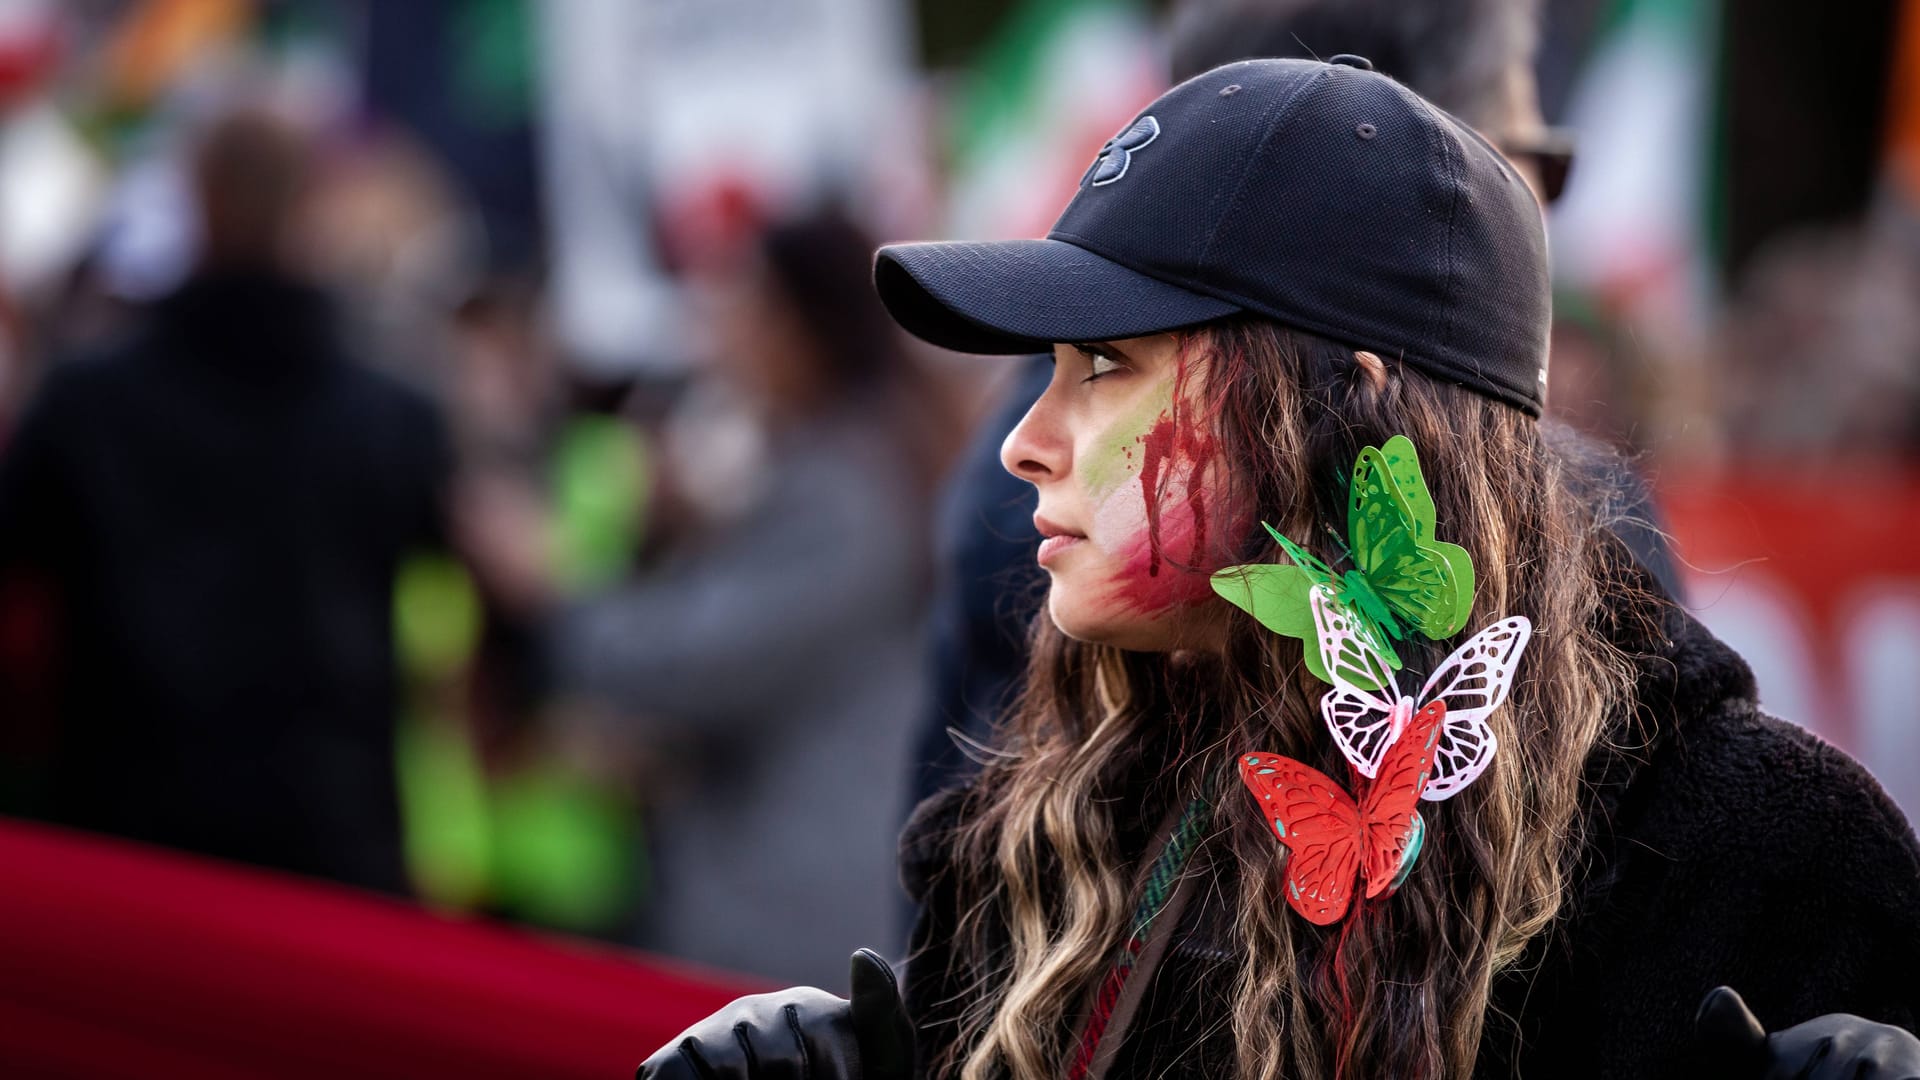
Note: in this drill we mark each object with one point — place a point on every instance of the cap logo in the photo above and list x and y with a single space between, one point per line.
1113 159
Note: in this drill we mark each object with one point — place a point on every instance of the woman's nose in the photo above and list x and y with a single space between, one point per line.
1036 449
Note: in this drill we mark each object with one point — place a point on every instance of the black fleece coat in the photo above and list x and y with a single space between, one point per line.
1730 849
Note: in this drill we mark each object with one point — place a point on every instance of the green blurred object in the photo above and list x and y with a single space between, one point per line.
952 34
600 485
443 797
1000 89
493 62
436 617
543 843
565 849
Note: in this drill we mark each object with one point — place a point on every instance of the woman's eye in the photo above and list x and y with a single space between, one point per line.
1100 364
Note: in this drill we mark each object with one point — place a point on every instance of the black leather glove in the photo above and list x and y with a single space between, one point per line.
1838 1046
802 1034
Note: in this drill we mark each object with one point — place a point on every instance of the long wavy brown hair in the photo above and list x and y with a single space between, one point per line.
1105 741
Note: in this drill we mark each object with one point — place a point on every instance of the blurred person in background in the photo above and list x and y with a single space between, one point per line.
759 679
219 502
1473 58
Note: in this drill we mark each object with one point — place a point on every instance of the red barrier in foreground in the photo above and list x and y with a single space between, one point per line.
120 960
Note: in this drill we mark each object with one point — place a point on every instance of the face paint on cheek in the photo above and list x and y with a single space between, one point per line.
1163 523
1117 456
1157 570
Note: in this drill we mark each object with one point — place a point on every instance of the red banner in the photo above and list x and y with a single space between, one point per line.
1813 574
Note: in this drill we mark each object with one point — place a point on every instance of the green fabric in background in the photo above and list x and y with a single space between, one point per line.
443 799
539 841
443 796
600 491
564 849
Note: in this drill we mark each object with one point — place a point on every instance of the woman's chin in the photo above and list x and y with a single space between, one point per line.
1099 620
1106 617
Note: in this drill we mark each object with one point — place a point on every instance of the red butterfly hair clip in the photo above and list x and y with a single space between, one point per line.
1331 838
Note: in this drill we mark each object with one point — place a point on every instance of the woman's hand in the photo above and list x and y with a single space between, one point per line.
1838 1046
799 1033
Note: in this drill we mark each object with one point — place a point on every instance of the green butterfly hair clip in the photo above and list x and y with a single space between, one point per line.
1404 580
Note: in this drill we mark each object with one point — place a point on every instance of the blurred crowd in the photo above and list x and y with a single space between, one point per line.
453 448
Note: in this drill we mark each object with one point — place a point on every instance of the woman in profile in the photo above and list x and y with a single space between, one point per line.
1353 743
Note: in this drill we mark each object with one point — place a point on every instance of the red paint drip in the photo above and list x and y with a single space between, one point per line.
1196 444
1138 588
1177 536
1157 446
1197 501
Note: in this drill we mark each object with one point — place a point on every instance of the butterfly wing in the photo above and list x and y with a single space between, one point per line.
1388 815
1462 565
1320 825
1402 464
1359 715
1411 575
1472 683
1375 509
1390 524
1417 582
1319 571
1274 594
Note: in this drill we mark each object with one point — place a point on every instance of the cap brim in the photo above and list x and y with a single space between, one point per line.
1020 296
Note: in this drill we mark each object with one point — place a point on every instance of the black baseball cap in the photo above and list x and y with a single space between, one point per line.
1325 196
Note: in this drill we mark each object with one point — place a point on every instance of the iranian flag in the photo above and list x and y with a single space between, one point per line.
1630 232
1057 81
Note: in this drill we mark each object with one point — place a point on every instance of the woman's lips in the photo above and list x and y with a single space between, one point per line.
1052 546
1054 539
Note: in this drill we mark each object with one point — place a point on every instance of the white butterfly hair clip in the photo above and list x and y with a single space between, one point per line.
1366 711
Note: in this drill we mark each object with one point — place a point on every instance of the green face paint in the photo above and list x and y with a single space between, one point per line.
1115 455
